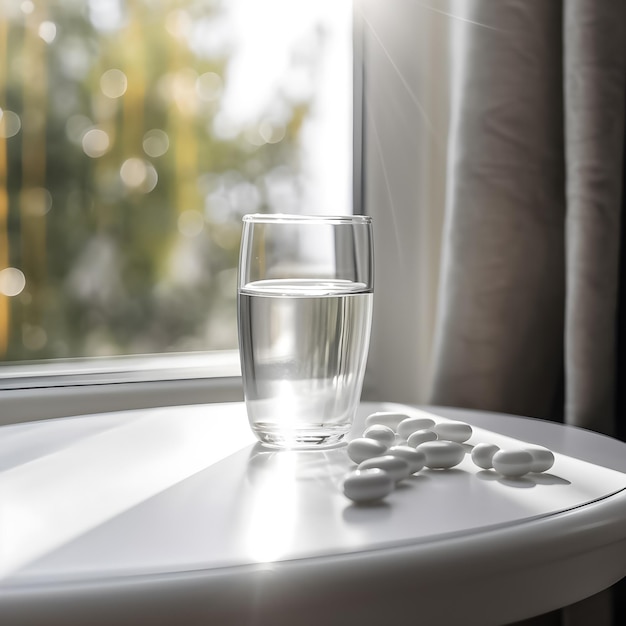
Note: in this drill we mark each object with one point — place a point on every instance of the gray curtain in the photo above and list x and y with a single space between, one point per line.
528 311
527 317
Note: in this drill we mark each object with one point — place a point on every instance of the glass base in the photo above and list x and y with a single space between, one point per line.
305 440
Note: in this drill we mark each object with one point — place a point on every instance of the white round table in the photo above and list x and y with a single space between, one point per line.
176 516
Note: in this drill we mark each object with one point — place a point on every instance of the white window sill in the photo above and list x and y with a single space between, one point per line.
79 387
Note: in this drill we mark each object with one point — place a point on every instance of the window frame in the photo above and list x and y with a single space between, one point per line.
83 386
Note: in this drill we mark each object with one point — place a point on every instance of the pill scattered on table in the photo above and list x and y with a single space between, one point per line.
386 418
415 458
442 454
482 454
381 433
543 459
409 425
367 485
436 445
512 463
453 431
364 448
420 436
395 466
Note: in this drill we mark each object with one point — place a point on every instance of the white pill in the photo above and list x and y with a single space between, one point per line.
512 463
453 431
543 459
442 454
367 485
381 433
408 426
415 458
363 448
482 454
396 467
420 436
386 418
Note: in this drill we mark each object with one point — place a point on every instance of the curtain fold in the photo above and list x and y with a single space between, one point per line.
499 342
595 70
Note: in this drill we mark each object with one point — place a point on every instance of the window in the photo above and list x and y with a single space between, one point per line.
402 60
134 134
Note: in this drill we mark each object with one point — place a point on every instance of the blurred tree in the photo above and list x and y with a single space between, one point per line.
122 191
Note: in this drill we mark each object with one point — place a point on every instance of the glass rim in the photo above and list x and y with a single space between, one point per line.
286 218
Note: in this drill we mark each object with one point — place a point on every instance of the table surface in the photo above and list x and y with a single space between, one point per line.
157 513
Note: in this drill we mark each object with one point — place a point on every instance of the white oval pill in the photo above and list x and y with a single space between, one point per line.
387 418
415 458
408 426
396 467
482 454
381 433
363 448
420 436
367 485
453 431
512 463
543 459
442 454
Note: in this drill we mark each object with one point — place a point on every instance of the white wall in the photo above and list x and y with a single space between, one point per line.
406 88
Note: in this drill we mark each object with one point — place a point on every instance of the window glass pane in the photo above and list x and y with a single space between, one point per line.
134 134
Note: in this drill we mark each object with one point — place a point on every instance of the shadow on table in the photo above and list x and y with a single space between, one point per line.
523 482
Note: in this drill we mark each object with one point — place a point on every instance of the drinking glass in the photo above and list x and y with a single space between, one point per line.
305 292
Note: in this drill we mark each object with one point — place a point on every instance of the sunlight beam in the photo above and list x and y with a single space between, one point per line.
55 498
403 80
459 18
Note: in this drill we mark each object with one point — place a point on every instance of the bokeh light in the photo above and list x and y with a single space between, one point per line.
36 201
10 123
95 143
139 175
12 281
156 142
47 31
106 15
271 133
113 83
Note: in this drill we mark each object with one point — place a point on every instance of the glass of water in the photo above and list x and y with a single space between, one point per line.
305 296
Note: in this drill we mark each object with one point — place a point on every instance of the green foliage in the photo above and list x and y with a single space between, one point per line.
139 252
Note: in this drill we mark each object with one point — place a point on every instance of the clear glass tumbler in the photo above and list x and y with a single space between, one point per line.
305 295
